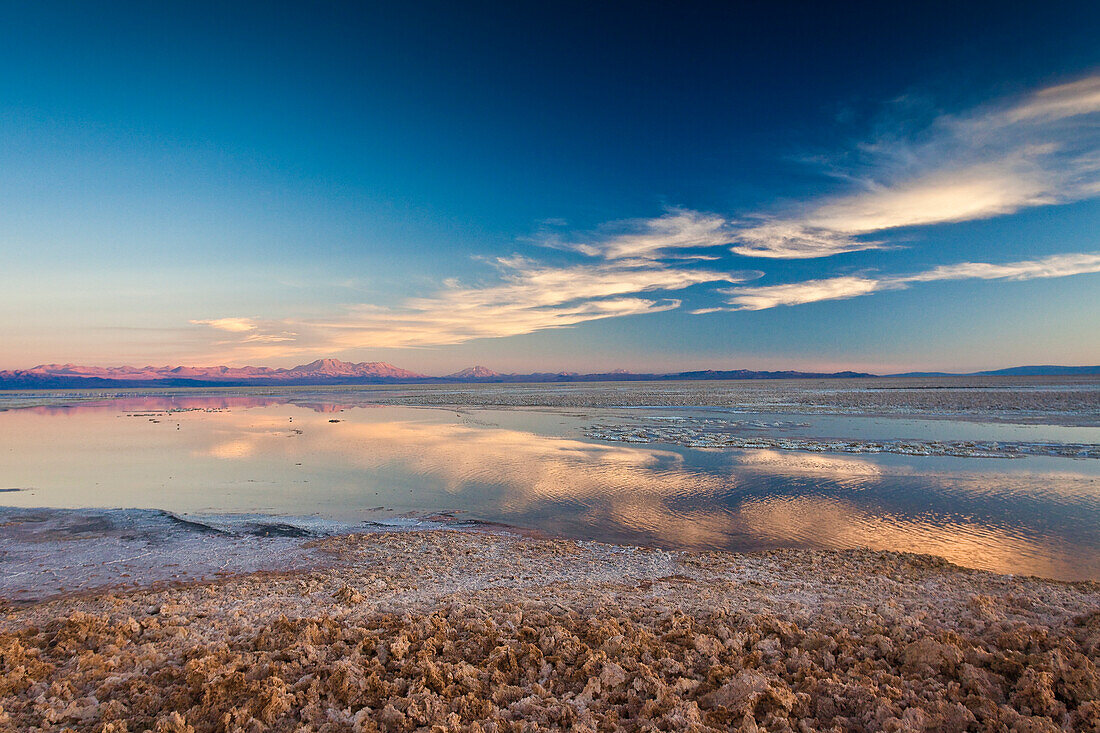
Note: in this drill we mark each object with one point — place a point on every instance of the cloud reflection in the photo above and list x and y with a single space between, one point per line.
427 460
811 521
790 462
646 495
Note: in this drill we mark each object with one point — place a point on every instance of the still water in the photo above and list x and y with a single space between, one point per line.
540 469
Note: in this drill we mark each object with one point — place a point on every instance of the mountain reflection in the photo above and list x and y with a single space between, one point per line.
187 403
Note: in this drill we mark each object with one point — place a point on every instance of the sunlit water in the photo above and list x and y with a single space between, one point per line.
535 468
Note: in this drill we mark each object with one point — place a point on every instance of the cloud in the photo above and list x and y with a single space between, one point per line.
810 291
233 325
269 338
660 238
529 297
1055 266
797 240
1058 102
1036 150
992 161
851 286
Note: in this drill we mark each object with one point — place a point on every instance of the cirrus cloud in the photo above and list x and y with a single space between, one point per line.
663 237
529 297
233 325
808 291
1040 149
852 286
995 160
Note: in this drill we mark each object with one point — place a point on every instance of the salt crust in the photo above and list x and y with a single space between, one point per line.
704 434
446 630
1031 400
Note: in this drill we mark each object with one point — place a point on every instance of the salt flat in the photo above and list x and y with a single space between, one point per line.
449 630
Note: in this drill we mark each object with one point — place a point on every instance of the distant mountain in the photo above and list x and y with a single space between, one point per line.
337 368
336 372
1047 370
474 372
749 374
316 372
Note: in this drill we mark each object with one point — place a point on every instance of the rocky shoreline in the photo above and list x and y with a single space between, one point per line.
451 630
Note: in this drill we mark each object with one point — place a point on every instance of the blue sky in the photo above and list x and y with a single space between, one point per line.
545 188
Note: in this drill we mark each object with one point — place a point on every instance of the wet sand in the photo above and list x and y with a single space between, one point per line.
450 630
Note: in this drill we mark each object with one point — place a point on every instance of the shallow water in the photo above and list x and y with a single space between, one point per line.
338 456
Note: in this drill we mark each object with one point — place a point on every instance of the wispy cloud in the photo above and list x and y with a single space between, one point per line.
233 325
1041 149
995 160
530 296
246 331
1058 102
1054 266
664 237
851 286
808 291
1036 150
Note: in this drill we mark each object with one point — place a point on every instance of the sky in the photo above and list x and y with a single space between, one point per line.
552 186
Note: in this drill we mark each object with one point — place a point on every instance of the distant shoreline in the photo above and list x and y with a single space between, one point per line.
1057 400
336 373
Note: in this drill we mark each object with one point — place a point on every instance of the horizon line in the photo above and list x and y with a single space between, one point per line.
44 369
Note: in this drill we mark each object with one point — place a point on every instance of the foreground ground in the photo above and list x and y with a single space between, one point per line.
449 630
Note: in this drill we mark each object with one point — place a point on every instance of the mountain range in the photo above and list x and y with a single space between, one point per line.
334 371
1045 370
320 367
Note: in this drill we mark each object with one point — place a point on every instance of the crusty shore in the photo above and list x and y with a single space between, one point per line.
448 630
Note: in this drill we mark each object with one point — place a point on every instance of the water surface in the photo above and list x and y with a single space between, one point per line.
334 456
